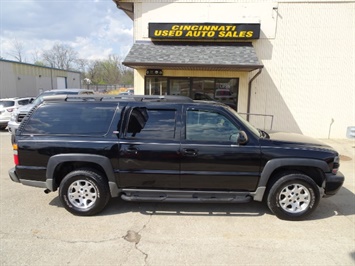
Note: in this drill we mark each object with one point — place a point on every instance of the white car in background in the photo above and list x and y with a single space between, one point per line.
8 106
223 94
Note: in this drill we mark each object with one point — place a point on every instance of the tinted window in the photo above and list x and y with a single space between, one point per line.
151 124
7 103
208 126
71 118
23 102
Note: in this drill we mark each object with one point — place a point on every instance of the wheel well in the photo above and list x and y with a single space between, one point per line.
315 173
64 168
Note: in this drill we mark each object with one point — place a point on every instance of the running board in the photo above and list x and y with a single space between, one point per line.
185 196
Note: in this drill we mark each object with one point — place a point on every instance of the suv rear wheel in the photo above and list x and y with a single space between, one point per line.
293 197
84 192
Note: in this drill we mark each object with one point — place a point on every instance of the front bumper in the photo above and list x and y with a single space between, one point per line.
12 126
333 183
4 122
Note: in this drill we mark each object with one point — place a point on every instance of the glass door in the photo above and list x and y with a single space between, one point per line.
155 86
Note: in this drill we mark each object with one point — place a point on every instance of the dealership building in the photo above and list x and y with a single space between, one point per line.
284 65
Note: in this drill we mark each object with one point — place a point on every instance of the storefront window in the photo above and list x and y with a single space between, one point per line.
156 86
179 86
208 89
203 89
226 91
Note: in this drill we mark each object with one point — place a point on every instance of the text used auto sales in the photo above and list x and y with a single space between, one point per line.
204 31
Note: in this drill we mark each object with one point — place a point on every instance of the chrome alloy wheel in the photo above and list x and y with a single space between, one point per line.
82 194
294 198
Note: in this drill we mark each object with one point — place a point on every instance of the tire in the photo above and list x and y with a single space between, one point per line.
84 192
293 197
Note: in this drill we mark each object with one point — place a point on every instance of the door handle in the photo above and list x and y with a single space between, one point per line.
132 150
190 152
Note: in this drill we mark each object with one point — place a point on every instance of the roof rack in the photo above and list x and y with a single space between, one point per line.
106 98
153 98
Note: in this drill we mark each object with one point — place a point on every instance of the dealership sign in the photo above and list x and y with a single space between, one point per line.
209 31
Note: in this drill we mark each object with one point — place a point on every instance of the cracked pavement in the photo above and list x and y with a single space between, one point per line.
36 230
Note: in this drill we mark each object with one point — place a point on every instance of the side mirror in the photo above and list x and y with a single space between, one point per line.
241 138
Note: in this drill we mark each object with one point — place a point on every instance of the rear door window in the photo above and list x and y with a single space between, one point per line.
151 123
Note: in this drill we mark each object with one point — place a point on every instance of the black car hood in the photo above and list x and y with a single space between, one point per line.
295 139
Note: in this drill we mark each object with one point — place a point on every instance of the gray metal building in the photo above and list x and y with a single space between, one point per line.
22 79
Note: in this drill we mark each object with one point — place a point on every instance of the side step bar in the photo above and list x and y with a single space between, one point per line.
185 196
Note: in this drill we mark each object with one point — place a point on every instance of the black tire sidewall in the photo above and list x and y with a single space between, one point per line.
278 186
96 180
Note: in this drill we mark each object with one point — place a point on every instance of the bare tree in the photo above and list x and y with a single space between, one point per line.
82 65
109 71
36 57
18 50
60 56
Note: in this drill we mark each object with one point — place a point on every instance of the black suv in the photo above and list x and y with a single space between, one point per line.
172 149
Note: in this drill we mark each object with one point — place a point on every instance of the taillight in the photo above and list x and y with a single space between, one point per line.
15 149
10 109
336 165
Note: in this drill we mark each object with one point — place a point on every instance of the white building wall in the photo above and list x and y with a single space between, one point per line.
309 75
308 52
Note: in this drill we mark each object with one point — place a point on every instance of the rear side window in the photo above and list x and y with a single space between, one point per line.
7 103
151 124
71 118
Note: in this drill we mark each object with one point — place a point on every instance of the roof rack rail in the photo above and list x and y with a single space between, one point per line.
148 98
106 98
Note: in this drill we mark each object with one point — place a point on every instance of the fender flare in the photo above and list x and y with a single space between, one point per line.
273 164
103 161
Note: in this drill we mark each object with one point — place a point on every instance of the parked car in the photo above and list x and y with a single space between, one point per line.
168 149
8 106
17 116
125 93
199 96
223 94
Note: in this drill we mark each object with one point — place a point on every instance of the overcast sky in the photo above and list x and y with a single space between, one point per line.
94 28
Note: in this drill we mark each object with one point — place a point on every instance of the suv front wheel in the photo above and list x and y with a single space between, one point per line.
84 192
293 197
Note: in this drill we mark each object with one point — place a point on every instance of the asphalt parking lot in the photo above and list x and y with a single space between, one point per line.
37 230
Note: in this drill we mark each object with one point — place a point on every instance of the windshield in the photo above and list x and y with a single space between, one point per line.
39 99
245 122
